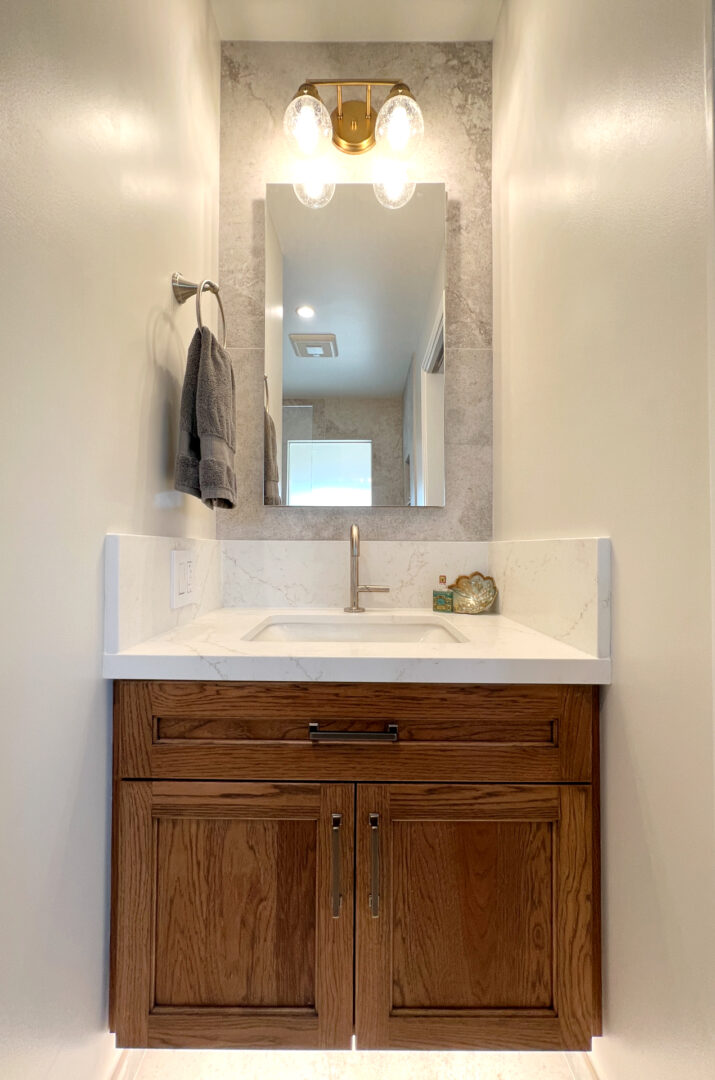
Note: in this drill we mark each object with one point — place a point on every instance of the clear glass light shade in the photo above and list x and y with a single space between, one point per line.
307 124
400 126
314 192
393 187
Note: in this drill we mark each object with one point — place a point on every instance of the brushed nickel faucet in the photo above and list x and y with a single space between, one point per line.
355 587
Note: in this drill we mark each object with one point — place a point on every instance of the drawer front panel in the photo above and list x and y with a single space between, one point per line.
359 732
491 729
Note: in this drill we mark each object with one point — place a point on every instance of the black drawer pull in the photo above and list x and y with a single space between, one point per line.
391 735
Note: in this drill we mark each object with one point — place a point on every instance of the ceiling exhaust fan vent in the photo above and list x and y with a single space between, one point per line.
314 345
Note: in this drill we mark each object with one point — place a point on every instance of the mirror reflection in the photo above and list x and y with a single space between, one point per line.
354 358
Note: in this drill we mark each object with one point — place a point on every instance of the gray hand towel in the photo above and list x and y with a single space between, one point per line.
207 436
186 471
271 495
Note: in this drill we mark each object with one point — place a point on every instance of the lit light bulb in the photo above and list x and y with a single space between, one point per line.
314 193
399 122
393 187
307 122
313 184
398 129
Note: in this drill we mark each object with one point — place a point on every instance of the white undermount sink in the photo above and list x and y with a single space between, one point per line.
365 627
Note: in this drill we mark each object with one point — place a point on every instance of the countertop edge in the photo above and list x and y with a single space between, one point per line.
592 671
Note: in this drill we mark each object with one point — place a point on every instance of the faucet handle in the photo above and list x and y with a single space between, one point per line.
373 588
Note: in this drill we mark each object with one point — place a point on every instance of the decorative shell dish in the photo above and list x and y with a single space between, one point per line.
472 594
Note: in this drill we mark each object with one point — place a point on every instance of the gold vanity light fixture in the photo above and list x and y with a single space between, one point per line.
353 125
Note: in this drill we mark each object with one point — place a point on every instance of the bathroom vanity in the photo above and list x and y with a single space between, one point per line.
298 862
381 825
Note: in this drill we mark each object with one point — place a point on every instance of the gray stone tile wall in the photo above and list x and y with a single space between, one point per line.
452 83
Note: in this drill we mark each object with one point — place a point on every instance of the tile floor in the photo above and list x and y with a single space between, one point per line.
335 1065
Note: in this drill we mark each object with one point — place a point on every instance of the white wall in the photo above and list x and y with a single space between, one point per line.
109 165
602 215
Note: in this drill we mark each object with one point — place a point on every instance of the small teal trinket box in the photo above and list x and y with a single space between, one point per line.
442 597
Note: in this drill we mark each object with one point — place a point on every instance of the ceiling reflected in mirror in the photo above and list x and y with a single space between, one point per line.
367 369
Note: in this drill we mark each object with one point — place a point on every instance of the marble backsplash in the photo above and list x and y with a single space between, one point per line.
137 586
452 83
316 573
560 587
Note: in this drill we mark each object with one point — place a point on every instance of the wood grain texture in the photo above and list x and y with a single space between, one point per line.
226 935
201 1030
418 762
482 908
596 900
289 802
236 912
114 865
579 706
464 934
346 701
473 787
477 1033
464 802
209 730
335 936
574 915
373 936
133 730
496 728
134 915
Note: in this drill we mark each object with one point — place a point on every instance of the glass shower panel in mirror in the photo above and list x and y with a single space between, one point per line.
354 356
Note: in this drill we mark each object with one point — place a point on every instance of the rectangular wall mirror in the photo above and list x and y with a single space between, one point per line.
355 380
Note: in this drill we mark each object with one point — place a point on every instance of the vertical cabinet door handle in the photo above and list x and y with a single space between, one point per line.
374 865
337 899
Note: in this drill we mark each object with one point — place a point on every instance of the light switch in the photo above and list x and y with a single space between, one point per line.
182 578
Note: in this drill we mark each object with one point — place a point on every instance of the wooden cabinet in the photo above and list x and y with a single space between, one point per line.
485 911
351 892
225 930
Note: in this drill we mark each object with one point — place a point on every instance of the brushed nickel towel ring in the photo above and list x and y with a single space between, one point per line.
183 289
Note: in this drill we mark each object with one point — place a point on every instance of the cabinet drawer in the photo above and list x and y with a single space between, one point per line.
354 731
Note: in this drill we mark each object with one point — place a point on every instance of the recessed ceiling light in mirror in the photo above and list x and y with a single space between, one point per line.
305 311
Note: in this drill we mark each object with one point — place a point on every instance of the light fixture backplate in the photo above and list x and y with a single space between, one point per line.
354 132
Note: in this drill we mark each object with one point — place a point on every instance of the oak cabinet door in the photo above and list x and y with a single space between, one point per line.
473 917
234 923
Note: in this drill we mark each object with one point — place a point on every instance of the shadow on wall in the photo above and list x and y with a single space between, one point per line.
160 395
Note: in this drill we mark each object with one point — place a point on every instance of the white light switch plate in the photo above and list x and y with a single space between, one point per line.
182 578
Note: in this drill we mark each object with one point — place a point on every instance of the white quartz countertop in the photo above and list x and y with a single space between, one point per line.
497 650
